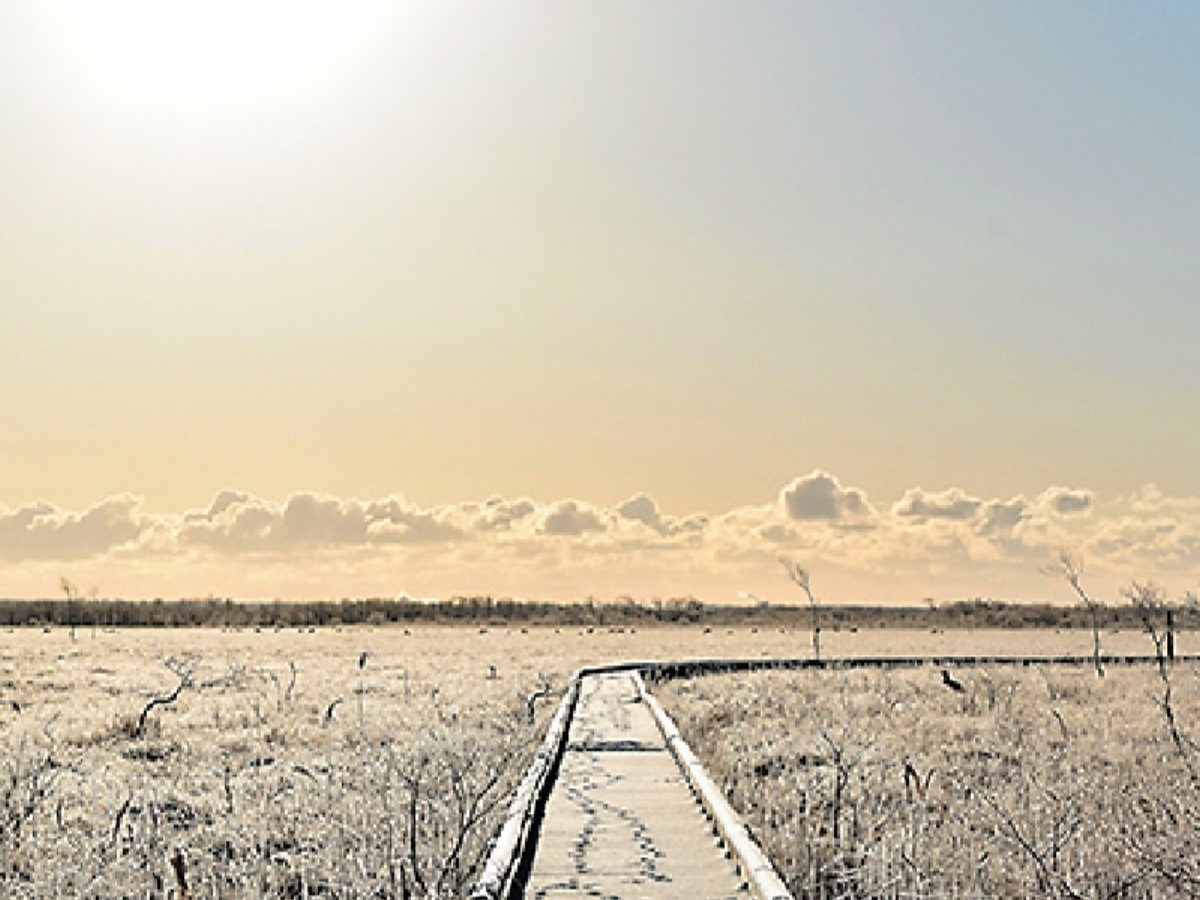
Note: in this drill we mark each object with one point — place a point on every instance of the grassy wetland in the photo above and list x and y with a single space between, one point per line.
992 782
261 762
209 764
378 761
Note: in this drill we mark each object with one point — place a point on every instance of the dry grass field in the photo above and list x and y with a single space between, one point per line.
1042 782
368 762
289 765
294 763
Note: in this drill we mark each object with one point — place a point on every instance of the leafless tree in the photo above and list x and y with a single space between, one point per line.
71 593
800 576
1149 601
1070 568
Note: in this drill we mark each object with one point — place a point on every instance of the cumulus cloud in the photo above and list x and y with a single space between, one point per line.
518 543
642 508
233 521
1151 500
998 518
314 519
1128 539
819 496
236 521
396 521
499 514
43 531
1067 501
776 533
570 517
953 503
224 500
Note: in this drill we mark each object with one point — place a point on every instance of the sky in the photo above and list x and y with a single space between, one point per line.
598 299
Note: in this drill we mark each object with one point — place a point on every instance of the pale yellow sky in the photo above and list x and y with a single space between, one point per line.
579 253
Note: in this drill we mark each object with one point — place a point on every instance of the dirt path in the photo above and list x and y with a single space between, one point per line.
621 821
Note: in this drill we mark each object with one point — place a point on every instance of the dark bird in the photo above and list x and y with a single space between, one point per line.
951 682
179 864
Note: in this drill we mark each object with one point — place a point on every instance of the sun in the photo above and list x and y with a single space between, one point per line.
214 56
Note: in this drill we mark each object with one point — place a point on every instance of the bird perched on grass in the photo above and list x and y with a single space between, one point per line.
951 682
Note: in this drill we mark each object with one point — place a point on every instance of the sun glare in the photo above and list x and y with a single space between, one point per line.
214 55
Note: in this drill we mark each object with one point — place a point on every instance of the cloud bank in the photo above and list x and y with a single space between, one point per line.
943 543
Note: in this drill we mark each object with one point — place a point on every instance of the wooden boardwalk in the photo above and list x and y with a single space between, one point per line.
621 821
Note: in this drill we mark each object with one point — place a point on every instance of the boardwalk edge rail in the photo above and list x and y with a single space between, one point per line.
512 843
762 879
507 864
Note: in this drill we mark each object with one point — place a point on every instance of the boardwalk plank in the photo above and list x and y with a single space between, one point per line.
621 821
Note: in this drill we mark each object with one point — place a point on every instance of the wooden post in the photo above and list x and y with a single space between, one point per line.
1170 635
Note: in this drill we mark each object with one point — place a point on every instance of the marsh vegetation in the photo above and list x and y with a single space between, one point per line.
378 762
990 782
210 767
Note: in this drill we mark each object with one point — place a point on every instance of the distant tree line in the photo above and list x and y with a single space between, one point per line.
216 612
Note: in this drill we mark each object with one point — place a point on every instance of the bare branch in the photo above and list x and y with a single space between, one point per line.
184 672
